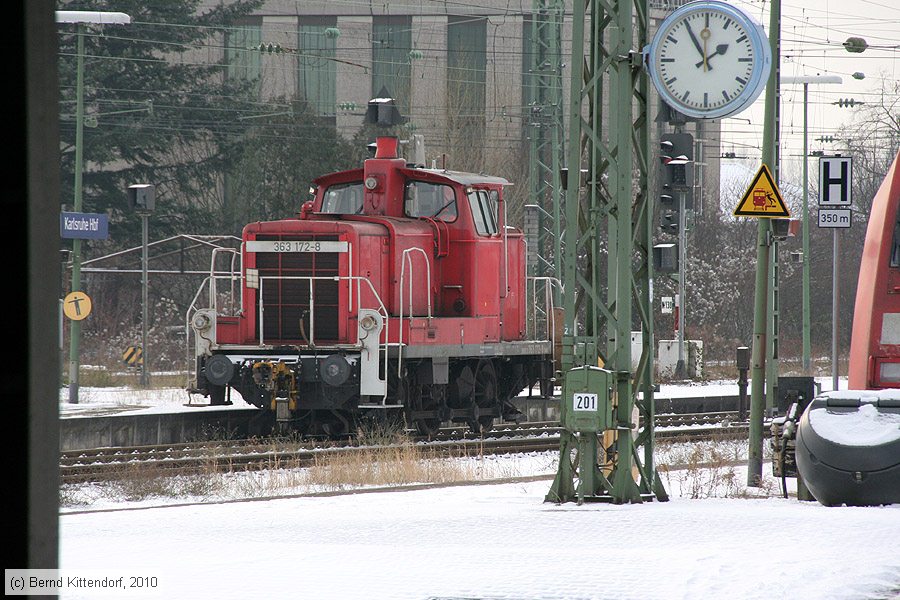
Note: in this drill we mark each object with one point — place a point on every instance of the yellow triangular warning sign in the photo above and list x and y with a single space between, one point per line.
762 198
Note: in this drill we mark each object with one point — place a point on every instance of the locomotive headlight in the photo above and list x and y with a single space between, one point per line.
368 323
201 321
371 182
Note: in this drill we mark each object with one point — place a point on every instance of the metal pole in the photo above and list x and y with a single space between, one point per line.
680 370
145 379
760 320
805 80
835 303
807 350
75 326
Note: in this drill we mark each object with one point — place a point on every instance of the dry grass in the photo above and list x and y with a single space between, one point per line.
142 482
708 470
398 464
384 457
102 377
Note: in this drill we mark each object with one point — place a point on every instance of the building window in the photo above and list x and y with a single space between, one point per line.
317 75
466 74
391 43
242 55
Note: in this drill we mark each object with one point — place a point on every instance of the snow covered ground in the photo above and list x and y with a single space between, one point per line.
713 539
493 542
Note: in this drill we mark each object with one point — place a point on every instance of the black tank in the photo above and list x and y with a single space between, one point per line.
848 448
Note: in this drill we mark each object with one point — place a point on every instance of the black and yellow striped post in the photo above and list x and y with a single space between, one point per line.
133 356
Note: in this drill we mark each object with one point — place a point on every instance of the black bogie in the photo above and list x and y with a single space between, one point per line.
477 392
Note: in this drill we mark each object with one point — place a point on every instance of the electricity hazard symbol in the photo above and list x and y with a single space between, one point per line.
77 306
133 356
762 198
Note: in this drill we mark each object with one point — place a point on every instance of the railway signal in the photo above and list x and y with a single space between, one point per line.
677 181
677 156
669 210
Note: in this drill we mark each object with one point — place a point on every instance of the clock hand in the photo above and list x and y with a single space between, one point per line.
704 33
694 39
720 49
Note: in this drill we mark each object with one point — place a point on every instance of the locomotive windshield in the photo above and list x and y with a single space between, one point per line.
433 200
343 199
484 210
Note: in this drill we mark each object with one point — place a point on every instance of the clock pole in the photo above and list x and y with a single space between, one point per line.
764 238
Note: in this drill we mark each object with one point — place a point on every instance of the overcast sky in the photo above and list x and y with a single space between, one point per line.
812 34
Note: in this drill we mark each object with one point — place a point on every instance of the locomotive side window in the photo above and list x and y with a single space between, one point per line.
484 211
343 199
895 246
431 200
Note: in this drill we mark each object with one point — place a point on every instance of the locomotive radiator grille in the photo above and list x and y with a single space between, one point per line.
286 302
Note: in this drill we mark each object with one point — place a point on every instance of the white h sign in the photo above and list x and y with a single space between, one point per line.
835 177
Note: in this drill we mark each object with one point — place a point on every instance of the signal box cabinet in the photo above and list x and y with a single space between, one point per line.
586 400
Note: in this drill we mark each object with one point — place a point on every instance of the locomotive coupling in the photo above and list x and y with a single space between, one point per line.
278 378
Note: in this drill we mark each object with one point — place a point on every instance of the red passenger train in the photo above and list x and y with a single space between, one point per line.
875 343
397 290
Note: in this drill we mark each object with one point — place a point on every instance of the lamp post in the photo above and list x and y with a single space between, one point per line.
81 19
806 80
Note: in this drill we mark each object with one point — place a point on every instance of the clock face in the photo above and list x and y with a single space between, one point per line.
707 60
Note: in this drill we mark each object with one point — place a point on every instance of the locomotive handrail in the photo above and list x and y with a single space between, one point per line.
549 311
213 291
407 259
192 308
404 260
382 309
311 278
187 330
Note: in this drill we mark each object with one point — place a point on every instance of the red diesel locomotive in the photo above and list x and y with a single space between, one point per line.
875 342
397 290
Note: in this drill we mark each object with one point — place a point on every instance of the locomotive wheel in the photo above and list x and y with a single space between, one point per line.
484 395
397 386
431 398
428 427
334 424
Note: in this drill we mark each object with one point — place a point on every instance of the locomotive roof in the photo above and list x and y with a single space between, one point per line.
459 177
434 175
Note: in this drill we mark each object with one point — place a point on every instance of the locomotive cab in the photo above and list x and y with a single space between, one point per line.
396 290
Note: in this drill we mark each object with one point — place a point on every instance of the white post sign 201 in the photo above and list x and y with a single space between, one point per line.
584 402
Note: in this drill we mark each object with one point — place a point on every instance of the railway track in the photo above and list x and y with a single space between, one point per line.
243 455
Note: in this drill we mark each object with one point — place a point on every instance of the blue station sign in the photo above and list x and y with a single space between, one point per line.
83 226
